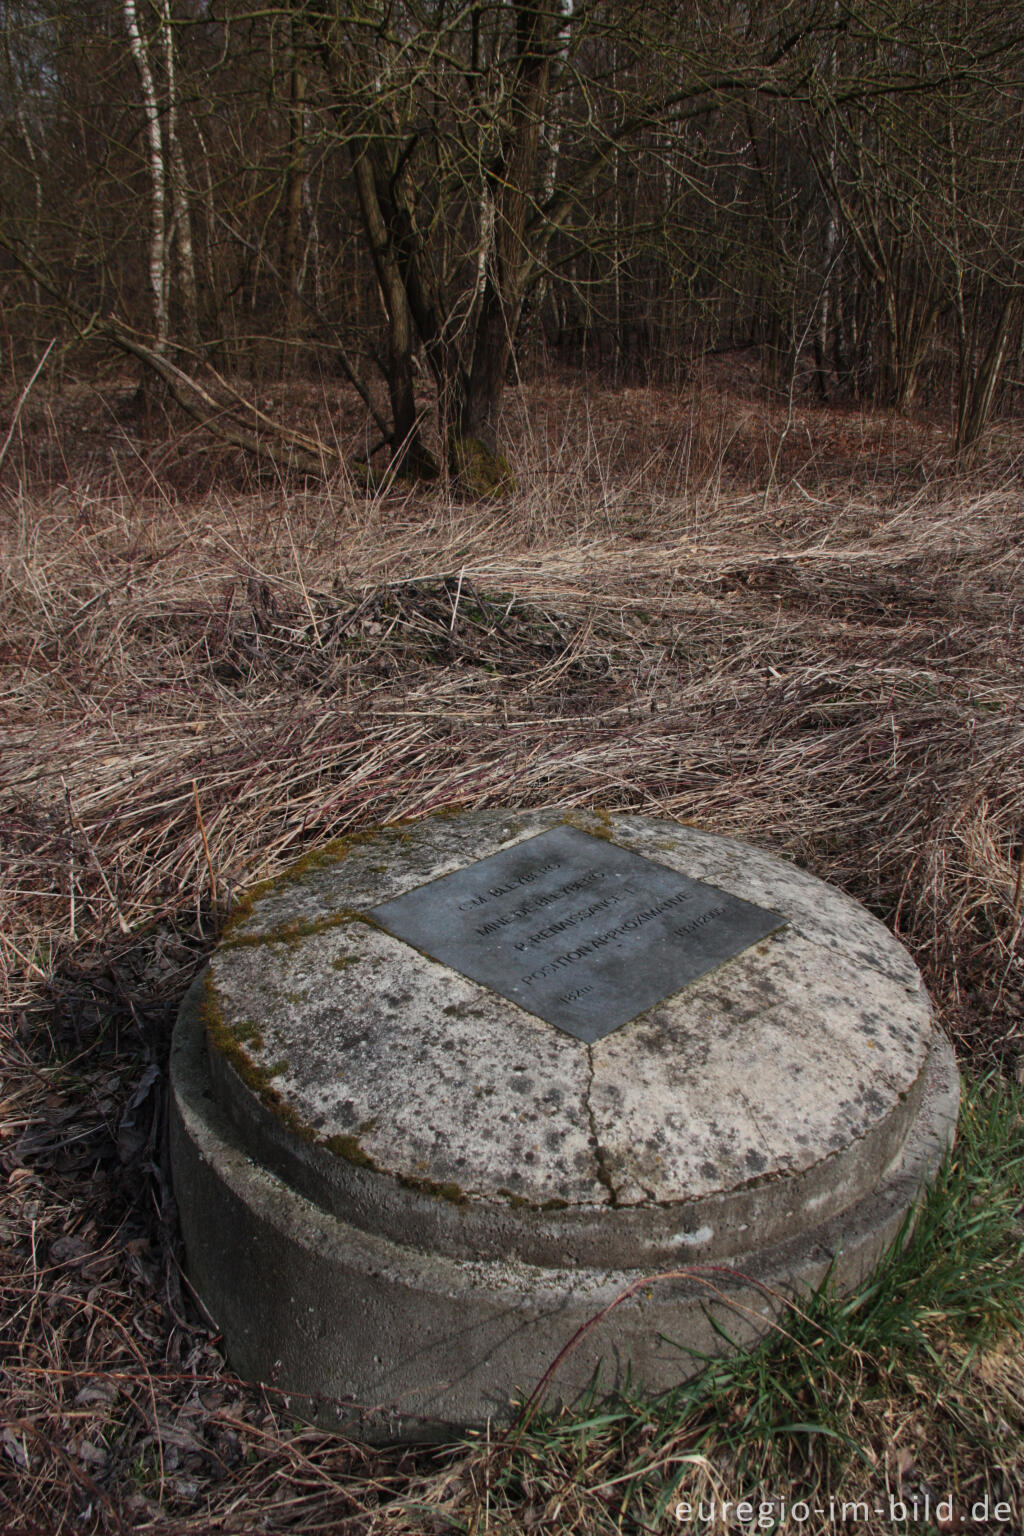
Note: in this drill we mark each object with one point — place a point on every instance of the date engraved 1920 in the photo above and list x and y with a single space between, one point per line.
623 931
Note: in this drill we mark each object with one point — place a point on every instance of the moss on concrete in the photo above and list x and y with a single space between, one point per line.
400 830
230 1043
248 1032
596 821
449 1190
517 1202
297 929
317 858
351 1149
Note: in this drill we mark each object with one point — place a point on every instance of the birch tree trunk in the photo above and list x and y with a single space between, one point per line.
182 214
158 181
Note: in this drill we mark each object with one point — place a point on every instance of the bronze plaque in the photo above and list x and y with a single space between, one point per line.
575 929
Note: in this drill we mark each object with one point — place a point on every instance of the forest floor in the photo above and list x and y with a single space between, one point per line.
800 625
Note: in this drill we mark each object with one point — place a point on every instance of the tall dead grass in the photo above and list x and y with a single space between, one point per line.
195 691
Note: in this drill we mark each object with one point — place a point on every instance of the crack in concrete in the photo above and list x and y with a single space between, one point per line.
765 1142
602 1169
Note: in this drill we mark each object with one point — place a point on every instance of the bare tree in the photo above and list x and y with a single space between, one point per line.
410 187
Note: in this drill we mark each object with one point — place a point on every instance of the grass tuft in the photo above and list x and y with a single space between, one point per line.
820 1411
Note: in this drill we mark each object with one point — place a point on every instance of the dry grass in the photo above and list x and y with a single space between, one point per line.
806 633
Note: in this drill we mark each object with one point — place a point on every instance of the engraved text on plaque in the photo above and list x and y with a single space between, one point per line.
575 929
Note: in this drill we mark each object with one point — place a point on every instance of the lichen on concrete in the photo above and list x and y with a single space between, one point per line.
461 1097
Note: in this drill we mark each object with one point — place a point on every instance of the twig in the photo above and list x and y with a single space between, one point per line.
206 850
76 825
21 401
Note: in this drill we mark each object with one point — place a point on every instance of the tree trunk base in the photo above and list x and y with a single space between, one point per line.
419 468
480 471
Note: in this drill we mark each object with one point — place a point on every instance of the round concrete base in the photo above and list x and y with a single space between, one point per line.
403 1192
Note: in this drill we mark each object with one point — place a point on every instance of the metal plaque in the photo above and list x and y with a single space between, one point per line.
575 929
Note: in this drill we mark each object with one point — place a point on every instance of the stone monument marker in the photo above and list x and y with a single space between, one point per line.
448 1089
